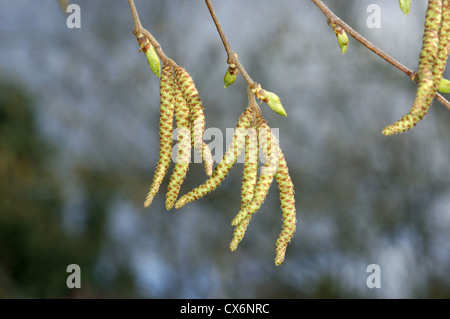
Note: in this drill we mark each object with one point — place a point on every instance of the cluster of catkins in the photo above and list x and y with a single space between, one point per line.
432 61
252 134
179 96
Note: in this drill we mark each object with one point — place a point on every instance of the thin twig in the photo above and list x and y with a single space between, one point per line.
252 102
221 33
332 18
443 100
232 58
138 28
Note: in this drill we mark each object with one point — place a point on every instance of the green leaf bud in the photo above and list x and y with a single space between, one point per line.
444 86
404 5
271 99
229 78
150 53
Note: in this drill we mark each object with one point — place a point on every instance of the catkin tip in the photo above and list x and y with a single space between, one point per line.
387 131
180 203
169 206
208 168
279 261
148 201
236 220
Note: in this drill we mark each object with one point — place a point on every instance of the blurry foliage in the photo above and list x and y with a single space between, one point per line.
34 249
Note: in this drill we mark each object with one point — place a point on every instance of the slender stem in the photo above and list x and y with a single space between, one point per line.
135 15
332 18
221 32
138 28
232 58
252 102
443 100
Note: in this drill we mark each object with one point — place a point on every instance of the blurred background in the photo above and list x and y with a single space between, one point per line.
79 138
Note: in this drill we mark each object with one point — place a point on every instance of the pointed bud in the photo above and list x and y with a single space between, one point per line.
404 5
341 37
271 99
287 200
343 41
444 86
229 78
275 104
150 53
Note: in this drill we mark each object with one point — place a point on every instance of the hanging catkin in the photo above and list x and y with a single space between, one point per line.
268 144
165 131
196 117
227 162
429 76
249 177
184 149
444 42
287 200
251 163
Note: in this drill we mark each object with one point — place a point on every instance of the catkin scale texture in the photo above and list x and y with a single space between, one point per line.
239 233
268 144
250 170
196 117
428 76
165 131
444 41
287 201
225 165
184 149
249 177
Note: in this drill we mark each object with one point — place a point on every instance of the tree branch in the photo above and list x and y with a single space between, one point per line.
138 28
232 58
333 19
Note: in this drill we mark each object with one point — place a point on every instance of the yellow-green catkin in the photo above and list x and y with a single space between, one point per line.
165 131
229 78
287 200
249 177
184 149
428 77
229 159
196 116
268 144
251 163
